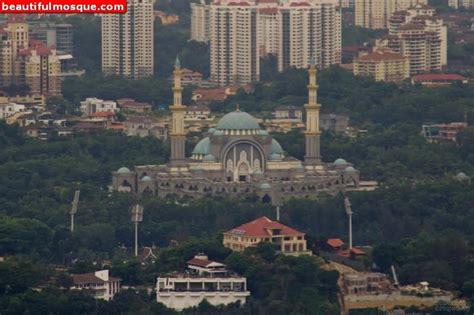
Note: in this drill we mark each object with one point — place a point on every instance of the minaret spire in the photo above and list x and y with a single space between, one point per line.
312 132
177 134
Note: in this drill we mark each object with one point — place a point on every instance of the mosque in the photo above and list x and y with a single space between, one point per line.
239 157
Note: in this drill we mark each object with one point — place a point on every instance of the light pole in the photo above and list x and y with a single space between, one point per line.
348 207
73 211
137 216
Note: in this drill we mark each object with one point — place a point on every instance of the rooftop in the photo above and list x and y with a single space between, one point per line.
262 226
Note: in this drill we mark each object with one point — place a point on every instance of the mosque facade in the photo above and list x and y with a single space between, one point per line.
239 157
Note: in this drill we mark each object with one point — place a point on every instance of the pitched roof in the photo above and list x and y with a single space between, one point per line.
199 262
262 226
439 76
335 242
86 278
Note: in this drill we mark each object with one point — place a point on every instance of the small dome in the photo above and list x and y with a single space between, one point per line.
218 133
238 120
203 147
340 162
211 131
276 147
258 172
461 175
262 133
300 167
350 169
123 170
265 186
146 179
275 157
209 158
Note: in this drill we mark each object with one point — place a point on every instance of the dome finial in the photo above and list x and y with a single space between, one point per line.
312 62
177 64
237 107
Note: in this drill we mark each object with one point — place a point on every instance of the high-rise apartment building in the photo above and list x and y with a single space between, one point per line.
296 31
468 4
127 41
51 34
375 14
421 36
200 22
25 61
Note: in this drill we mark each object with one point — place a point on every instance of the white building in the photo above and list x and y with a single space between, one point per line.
376 13
200 22
127 41
468 4
295 31
207 280
10 109
92 105
99 283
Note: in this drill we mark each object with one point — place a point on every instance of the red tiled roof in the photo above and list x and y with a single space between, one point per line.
335 242
380 55
103 114
199 262
135 104
299 4
238 4
357 251
261 226
439 76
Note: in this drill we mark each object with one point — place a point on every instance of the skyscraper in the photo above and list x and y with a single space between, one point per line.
468 4
127 41
376 13
295 31
200 22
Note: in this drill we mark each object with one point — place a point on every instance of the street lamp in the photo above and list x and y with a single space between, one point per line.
73 211
137 216
347 205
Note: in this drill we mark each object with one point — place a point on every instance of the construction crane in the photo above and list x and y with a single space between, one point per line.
73 211
347 205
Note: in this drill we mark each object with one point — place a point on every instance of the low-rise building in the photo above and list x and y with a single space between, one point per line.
383 65
128 104
92 105
205 280
285 239
333 122
143 126
190 77
438 79
288 113
198 112
99 283
10 109
446 131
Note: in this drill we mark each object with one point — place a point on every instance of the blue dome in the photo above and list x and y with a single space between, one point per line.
218 133
203 147
340 162
211 131
276 148
461 175
265 186
258 172
209 158
262 133
350 169
238 121
275 157
123 170
147 179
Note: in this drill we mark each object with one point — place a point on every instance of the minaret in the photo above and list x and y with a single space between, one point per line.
312 133
177 134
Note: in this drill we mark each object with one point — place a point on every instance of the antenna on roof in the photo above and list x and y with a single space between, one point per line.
73 211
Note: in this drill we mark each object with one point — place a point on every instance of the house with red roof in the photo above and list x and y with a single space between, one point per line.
438 79
285 239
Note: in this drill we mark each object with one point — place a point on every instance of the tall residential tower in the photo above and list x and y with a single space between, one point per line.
127 41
